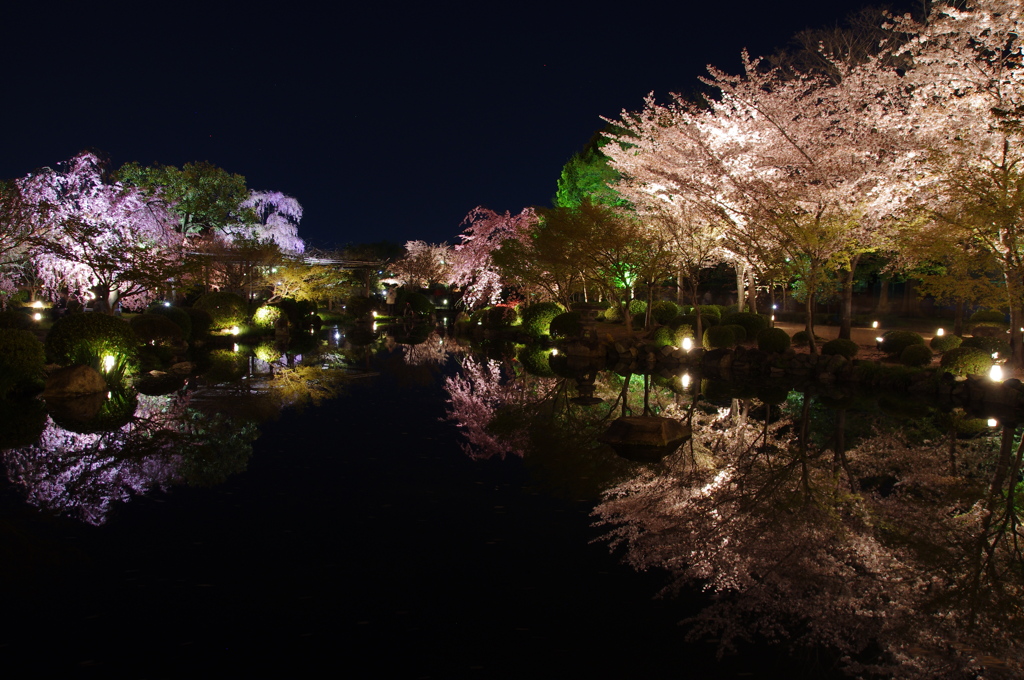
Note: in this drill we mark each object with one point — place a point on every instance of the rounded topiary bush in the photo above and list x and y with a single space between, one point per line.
536 318
803 338
989 345
842 347
226 309
22 358
944 343
895 341
966 360
752 323
718 337
663 336
15 320
773 340
500 317
988 316
200 320
664 311
267 352
713 311
613 314
89 338
154 329
916 355
637 307
536 361
267 317
566 325
739 333
177 315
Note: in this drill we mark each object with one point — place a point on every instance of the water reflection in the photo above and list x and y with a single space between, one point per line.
872 532
87 455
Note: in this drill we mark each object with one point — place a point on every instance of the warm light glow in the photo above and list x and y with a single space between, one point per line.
37 316
874 324
235 330
38 304
374 326
337 335
773 317
996 372
992 422
686 380
879 340
554 352
235 348
108 363
940 332
687 344
775 306
995 355
167 304
374 314
444 303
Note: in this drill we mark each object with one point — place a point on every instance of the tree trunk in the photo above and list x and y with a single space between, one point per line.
679 287
883 297
699 331
846 310
740 276
958 317
751 290
809 322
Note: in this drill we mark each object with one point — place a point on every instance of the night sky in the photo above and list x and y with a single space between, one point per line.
386 122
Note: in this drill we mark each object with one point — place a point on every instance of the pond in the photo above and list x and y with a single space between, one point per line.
431 511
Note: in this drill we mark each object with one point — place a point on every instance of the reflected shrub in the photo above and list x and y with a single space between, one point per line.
225 366
842 347
966 361
537 318
267 352
536 361
226 309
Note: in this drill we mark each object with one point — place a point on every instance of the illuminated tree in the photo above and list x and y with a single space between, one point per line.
104 238
22 225
472 266
424 264
276 219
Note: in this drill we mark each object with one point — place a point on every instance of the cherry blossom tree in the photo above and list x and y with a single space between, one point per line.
424 264
104 238
276 218
22 225
472 266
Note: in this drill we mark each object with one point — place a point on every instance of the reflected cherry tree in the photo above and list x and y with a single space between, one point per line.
876 553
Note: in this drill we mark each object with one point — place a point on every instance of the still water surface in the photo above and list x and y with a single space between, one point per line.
387 531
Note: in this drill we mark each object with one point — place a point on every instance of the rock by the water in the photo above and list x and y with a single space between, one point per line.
74 381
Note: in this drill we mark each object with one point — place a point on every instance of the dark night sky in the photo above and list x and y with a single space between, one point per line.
389 122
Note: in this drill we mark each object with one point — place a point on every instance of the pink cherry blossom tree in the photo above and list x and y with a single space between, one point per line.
472 266
276 218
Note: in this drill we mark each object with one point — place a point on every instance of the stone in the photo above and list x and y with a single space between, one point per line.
74 381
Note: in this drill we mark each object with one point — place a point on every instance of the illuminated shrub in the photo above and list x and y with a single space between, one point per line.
944 343
359 307
16 320
418 302
895 341
536 361
537 318
500 317
225 366
267 317
154 329
267 352
87 339
637 307
614 314
739 333
22 358
178 316
966 360
718 337
989 345
226 309
713 311
566 325
752 323
988 316
200 320
842 347
664 311
916 355
664 337
773 340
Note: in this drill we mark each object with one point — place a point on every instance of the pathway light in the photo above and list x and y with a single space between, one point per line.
874 324
38 304
108 363
235 330
940 332
687 344
992 422
996 372
37 316
686 380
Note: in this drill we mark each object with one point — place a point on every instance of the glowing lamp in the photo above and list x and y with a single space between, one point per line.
554 352
374 314
773 318
108 363
879 340
687 344
686 380
38 304
37 316
996 372
940 332
992 422
874 324
235 330
167 304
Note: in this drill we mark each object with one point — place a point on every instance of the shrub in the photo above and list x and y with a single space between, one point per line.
566 325
359 307
895 341
226 309
718 337
663 337
752 323
801 338
154 329
944 343
200 320
178 316
712 311
15 320
842 347
613 314
226 366
916 355
500 316
664 311
22 358
418 302
739 333
989 345
989 329
966 360
691 321
267 352
637 307
639 320
773 340
988 316
267 317
89 338
536 360
536 318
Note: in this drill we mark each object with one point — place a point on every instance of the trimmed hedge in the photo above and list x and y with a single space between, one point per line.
801 338
267 317
988 316
966 360
85 339
226 309
944 343
752 323
613 314
989 345
895 341
842 347
712 311
200 320
739 333
566 325
22 358
718 337
664 311
773 340
916 355
637 307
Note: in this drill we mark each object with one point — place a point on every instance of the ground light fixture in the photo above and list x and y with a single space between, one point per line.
940 332
687 344
38 304
996 372
878 342
37 316
992 422
874 324
108 363
685 378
